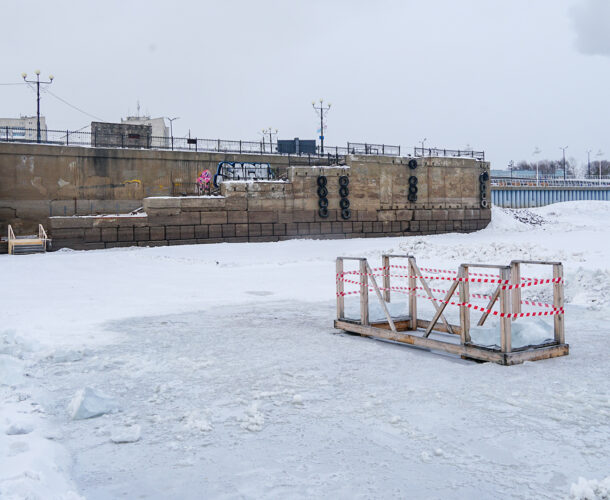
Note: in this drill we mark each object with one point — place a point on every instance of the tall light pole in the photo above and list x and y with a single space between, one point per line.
599 154
269 131
37 82
322 112
588 162
171 127
537 151
564 161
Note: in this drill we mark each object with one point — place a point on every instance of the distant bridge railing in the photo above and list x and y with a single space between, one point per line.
138 140
549 182
454 153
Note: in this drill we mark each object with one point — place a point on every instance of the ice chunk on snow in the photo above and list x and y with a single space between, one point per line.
129 434
590 490
524 332
89 403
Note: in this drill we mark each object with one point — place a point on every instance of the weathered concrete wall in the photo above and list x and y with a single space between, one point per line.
50 187
39 181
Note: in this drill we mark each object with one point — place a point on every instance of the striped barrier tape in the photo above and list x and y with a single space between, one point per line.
553 312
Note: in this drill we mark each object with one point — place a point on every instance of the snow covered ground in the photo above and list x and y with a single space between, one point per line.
222 376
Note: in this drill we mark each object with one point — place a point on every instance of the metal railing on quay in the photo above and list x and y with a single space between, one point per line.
146 141
454 153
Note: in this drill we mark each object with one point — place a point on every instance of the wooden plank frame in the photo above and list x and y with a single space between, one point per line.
414 331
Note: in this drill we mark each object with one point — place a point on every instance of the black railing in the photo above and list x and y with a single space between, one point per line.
137 140
455 153
363 148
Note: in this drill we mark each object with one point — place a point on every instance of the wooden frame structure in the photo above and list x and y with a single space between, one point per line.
415 331
29 244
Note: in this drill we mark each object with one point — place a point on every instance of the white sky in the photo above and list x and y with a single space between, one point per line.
503 76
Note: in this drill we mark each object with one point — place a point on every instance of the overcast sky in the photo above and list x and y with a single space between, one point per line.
502 76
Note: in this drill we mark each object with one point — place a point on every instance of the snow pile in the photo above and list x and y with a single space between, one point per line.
253 420
590 489
89 403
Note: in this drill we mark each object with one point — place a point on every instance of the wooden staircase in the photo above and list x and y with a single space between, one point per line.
23 245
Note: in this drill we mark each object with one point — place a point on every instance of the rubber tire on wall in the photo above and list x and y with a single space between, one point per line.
413 180
412 197
323 202
344 203
412 163
412 189
346 213
344 191
484 177
483 195
323 212
322 180
322 192
484 204
343 180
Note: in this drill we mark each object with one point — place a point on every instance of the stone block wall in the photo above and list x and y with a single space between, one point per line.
448 201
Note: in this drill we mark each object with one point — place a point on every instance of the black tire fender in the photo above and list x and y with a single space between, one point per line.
413 180
412 197
484 204
322 180
323 212
343 180
322 192
344 191
412 163
344 203
346 213
323 202
412 189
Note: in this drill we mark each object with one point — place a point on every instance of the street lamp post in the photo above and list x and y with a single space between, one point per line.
588 162
423 145
322 112
599 155
37 82
564 161
171 127
537 151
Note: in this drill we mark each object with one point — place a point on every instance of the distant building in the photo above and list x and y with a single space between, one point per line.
121 135
157 125
23 128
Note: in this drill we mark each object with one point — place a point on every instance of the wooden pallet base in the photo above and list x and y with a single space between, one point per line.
382 330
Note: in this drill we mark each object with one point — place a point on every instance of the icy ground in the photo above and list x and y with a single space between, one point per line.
222 376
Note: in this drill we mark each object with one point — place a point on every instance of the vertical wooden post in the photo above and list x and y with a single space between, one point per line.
412 294
364 294
558 303
340 290
385 263
505 323
515 279
464 288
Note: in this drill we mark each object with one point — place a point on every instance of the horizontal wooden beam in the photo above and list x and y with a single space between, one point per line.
467 351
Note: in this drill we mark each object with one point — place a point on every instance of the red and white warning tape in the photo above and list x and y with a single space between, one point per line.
408 291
